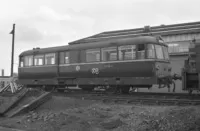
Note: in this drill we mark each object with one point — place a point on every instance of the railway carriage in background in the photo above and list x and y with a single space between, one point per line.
116 62
191 69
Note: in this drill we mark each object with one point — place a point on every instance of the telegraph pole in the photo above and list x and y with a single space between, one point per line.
13 43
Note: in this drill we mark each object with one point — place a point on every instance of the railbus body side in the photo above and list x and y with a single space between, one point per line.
139 72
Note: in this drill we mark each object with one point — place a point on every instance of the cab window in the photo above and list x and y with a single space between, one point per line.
50 59
150 51
166 54
127 52
21 62
109 54
159 52
38 60
141 51
92 55
28 61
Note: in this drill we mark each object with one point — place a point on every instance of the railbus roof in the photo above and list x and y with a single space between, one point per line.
97 44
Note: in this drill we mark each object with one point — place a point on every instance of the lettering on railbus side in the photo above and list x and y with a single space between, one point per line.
95 71
78 68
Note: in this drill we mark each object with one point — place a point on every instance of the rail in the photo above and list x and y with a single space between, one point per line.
136 98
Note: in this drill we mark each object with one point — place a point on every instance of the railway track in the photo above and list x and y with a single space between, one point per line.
136 98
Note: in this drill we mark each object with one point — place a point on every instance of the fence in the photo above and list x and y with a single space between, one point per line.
4 80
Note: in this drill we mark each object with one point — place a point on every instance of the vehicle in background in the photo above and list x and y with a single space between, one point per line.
191 70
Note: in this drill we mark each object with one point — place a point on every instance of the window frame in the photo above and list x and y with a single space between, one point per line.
21 61
60 58
24 63
43 63
118 50
65 54
108 48
145 53
92 49
162 52
155 56
167 51
54 54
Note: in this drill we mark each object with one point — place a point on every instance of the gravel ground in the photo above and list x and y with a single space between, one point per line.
68 114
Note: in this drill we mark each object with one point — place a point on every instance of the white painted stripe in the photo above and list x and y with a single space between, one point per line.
106 62
39 66
110 62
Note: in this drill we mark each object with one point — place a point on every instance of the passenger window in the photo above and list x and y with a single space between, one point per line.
150 51
28 61
39 60
141 51
127 52
66 57
109 54
92 55
159 52
50 59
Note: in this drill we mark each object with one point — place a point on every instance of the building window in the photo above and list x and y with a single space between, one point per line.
28 60
141 51
92 55
66 57
159 52
39 60
50 59
109 54
178 47
150 51
127 52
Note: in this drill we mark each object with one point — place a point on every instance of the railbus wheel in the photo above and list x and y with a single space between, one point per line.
87 87
61 88
48 88
123 89
126 90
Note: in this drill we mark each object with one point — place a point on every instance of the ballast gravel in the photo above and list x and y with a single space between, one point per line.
69 114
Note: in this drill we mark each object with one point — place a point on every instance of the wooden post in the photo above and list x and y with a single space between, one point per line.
2 72
13 41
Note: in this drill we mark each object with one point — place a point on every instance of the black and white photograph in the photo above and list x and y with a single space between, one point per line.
100 65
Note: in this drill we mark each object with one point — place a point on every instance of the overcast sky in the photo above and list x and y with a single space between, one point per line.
44 23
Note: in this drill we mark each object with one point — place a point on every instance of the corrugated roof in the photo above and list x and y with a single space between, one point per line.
163 30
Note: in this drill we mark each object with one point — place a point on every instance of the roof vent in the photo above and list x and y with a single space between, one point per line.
147 29
37 48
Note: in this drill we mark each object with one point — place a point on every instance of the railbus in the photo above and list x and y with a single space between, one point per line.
119 63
